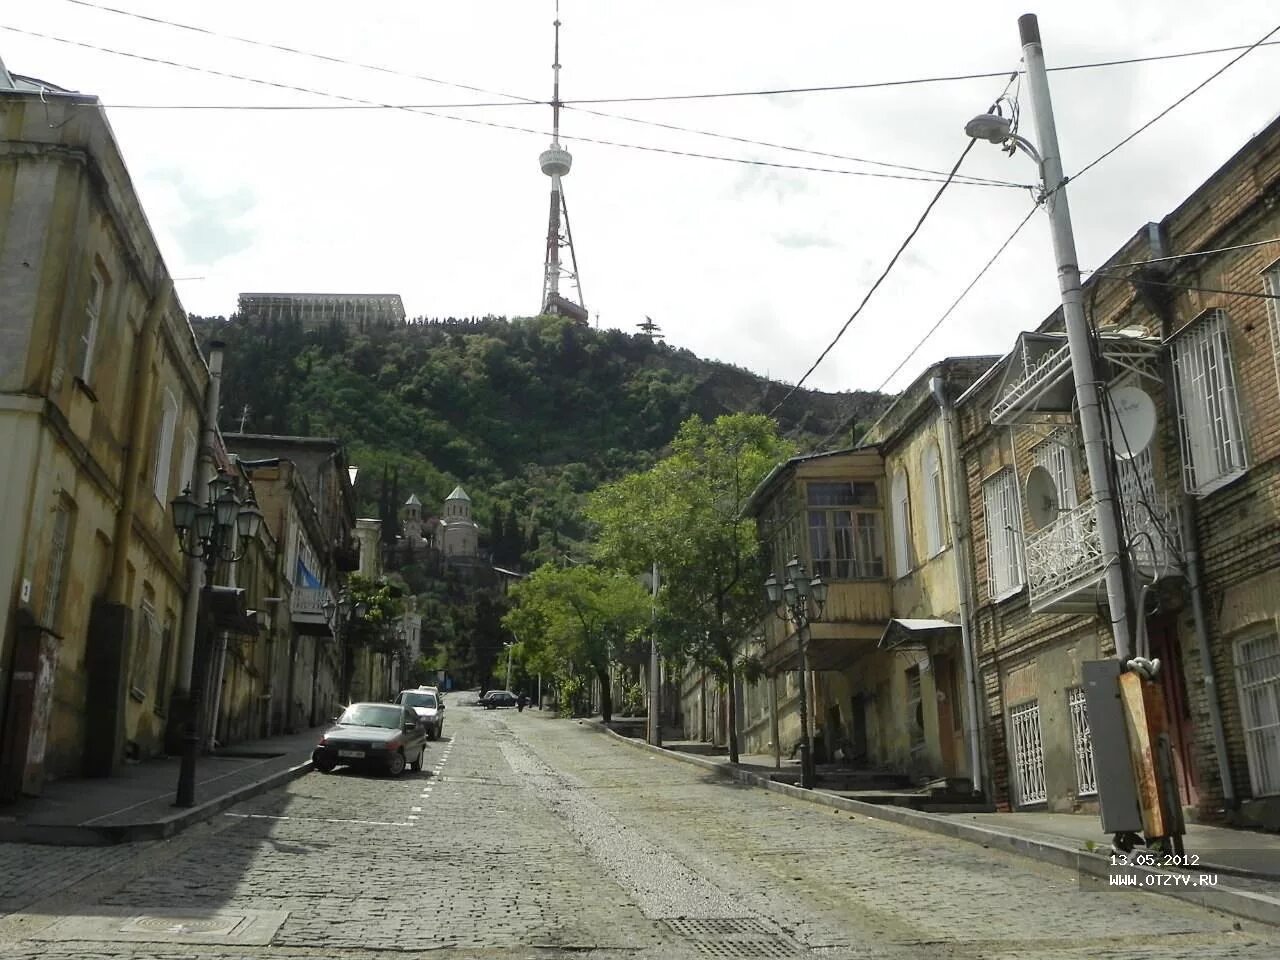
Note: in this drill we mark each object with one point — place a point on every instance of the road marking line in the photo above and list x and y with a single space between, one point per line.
415 809
267 816
411 818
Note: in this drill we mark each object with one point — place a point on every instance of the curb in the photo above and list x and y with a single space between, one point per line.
81 835
1241 903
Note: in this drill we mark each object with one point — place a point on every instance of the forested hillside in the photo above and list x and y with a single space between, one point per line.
528 414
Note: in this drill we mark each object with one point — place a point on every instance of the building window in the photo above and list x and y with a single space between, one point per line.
845 539
1028 754
935 502
98 283
1271 287
1258 683
901 525
1086 778
145 641
57 570
188 467
164 446
1004 535
1057 455
1212 434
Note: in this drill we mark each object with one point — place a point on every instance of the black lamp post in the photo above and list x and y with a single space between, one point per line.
338 614
218 530
800 600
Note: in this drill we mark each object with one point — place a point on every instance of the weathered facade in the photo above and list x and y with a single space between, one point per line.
101 391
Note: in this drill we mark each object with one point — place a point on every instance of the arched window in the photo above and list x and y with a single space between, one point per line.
935 501
901 525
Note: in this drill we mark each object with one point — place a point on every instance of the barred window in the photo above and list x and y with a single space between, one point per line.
935 501
1271 287
1213 450
1004 535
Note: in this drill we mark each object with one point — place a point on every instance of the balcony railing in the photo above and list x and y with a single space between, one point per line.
1065 558
307 609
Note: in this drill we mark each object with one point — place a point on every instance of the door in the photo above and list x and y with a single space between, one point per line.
949 727
858 723
1164 647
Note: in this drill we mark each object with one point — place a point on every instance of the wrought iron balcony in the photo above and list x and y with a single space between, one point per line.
1065 565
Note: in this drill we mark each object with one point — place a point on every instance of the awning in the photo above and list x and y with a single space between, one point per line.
917 633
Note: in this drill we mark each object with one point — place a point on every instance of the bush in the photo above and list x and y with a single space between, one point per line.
633 701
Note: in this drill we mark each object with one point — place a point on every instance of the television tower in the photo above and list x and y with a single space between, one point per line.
555 163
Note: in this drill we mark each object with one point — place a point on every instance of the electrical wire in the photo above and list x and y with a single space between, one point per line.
670 151
650 99
1181 100
1184 256
879 280
1143 281
515 99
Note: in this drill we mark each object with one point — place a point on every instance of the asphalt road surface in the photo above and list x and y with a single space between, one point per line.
529 836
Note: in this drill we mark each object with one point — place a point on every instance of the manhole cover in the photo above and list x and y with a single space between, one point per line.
735 937
218 926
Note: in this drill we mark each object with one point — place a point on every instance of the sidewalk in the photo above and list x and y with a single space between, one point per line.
1248 861
137 804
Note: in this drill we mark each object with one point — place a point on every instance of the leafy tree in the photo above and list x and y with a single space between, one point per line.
568 618
685 513
375 627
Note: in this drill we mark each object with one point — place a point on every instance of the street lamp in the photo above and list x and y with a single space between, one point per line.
800 600
338 614
216 531
1090 391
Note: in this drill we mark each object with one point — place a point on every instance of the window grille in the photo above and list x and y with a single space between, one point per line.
935 502
1258 685
1086 777
901 525
1213 452
57 570
1004 535
1028 753
1271 287
1057 455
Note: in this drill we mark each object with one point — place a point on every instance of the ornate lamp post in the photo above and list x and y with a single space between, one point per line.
800 600
338 614
216 531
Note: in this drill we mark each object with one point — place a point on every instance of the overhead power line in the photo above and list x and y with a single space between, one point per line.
1177 103
1147 282
1184 256
879 280
514 99
507 126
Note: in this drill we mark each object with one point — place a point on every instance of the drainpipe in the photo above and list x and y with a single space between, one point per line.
959 495
204 469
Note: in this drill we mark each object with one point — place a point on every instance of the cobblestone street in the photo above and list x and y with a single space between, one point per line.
533 837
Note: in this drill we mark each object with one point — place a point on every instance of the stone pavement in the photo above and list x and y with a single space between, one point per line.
137 804
536 837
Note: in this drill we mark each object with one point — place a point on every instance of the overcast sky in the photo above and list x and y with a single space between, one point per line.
755 265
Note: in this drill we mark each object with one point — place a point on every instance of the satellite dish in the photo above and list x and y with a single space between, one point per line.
1042 497
1133 421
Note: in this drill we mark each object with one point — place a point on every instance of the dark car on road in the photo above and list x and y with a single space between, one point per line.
499 698
427 703
383 735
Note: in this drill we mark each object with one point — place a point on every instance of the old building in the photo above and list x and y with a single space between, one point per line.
101 392
1187 339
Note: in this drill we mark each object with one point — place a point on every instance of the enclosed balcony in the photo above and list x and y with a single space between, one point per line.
307 610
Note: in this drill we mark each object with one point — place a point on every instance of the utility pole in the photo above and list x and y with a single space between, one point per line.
655 680
1089 390
510 647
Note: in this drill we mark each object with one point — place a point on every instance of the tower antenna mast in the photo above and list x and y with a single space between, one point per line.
555 163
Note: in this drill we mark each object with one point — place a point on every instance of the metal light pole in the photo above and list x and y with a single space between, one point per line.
510 647
655 678
791 602
1089 390
339 614
210 532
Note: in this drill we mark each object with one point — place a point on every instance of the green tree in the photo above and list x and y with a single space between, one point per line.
381 606
575 617
685 513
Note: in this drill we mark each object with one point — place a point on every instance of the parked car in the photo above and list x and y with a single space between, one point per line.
426 703
499 698
373 735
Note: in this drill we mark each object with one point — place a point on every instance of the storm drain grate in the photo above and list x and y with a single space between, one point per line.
735 937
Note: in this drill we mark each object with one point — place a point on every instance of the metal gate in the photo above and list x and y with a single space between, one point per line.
1028 753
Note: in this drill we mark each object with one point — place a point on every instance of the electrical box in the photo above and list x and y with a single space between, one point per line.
1112 766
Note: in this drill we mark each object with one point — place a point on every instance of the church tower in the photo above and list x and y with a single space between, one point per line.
461 533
